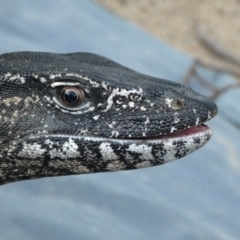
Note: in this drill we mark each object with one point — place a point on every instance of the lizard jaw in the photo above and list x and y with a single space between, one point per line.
139 152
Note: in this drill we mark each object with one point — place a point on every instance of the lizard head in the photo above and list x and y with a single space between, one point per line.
63 114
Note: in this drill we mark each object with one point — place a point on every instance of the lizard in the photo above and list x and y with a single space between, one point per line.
76 113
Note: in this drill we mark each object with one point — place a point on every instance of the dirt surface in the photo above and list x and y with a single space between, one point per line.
208 30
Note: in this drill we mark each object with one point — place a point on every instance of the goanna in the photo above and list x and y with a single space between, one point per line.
63 114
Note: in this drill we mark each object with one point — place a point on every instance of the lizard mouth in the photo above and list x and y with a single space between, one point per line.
191 132
199 129
141 152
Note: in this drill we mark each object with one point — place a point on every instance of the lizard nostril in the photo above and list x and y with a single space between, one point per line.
176 104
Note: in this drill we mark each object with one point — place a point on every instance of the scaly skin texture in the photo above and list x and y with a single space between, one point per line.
63 114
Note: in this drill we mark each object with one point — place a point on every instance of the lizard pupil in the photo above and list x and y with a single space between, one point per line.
71 96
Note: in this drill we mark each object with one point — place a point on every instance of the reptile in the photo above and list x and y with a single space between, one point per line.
76 113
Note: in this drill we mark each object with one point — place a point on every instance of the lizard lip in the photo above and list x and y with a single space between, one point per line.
200 129
194 131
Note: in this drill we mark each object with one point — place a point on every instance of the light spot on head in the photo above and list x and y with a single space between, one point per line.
209 115
122 93
131 104
173 129
115 134
43 80
53 76
147 121
96 117
176 120
111 125
168 102
7 75
197 121
12 101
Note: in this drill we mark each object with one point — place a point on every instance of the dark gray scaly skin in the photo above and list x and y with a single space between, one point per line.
63 114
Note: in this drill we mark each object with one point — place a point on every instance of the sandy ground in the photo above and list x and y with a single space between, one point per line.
208 30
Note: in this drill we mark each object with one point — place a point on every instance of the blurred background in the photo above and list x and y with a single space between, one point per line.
192 42
206 30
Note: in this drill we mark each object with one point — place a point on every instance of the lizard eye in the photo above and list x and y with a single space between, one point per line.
71 96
